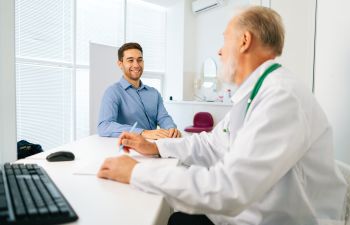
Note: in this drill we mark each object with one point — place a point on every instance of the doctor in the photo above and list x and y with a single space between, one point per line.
269 161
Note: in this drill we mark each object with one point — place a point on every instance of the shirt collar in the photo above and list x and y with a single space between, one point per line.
248 85
125 84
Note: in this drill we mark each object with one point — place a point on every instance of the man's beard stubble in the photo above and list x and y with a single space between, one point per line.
226 71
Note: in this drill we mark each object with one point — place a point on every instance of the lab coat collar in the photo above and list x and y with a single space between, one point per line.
248 85
125 84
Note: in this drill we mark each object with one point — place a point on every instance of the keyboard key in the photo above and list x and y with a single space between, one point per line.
15 166
7 165
53 209
27 198
29 166
43 211
16 195
3 202
3 216
55 194
39 202
2 189
9 172
45 195
64 210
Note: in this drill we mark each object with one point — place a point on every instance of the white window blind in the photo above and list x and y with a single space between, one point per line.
99 21
44 29
145 24
44 104
43 72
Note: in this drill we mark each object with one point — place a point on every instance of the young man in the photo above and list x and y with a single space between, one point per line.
130 101
269 161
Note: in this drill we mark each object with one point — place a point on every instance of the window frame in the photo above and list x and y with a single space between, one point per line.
155 75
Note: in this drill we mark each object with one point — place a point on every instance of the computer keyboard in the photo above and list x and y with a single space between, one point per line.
28 196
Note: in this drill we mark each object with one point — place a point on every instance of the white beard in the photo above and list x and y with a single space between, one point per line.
226 71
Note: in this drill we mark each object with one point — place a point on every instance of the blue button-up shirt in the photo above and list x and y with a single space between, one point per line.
122 105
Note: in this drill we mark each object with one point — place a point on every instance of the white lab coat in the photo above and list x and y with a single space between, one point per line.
274 166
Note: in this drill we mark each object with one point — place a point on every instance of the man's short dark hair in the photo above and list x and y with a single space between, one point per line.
127 46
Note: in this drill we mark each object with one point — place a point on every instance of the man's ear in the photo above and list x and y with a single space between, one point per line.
246 41
119 64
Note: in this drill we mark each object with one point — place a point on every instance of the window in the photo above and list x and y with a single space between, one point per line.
100 22
155 82
44 71
150 34
52 59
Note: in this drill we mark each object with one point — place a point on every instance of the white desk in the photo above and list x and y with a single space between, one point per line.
99 201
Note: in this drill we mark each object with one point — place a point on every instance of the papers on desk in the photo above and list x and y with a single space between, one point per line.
92 167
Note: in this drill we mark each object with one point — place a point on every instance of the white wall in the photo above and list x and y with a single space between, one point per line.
332 70
175 51
190 44
191 38
209 29
319 53
7 82
202 38
299 20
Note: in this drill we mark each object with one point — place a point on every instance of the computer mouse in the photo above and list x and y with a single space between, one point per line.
60 156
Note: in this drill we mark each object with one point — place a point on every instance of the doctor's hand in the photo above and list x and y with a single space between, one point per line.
174 133
138 143
117 168
155 134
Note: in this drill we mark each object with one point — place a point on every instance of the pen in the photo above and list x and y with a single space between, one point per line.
131 130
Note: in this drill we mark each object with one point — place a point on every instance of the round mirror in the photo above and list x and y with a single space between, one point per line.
209 68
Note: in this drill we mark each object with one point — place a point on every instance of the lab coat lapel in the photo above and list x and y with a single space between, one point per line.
240 99
237 114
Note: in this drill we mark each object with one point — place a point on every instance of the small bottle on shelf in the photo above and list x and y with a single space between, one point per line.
227 96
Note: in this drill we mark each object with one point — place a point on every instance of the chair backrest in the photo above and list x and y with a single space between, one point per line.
203 119
345 169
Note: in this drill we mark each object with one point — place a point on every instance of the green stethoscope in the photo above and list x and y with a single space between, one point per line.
260 81
257 86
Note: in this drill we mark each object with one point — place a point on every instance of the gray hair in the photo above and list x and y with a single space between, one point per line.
266 24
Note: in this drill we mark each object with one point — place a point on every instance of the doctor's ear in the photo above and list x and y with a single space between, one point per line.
246 41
